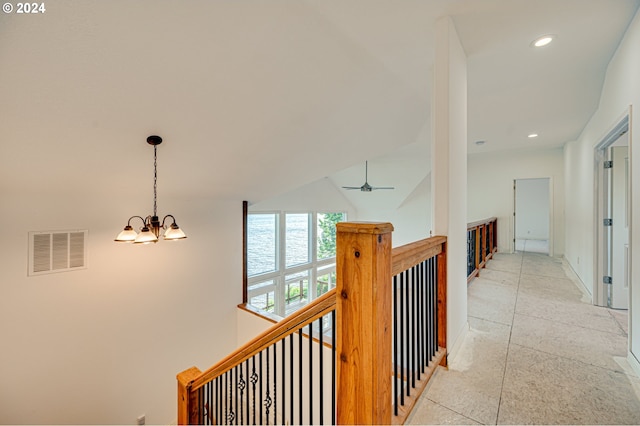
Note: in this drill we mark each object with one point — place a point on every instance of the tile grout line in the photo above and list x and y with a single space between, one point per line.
488 320
574 360
574 325
506 357
454 411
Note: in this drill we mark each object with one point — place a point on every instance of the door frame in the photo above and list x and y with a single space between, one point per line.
551 210
600 291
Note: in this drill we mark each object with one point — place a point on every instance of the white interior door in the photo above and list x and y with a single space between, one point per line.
619 296
532 215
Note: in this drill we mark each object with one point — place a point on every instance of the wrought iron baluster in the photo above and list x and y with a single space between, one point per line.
267 399
434 293
236 388
321 368
395 345
425 301
401 317
420 331
429 303
408 332
219 398
300 375
209 404
311 373
431 307
254 380
414 337
427 312
284 378
291 417
226 410
333 367
275 381
241 386
260 385
231 415
247 405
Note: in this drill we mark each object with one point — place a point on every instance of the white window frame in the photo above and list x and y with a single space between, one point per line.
279 277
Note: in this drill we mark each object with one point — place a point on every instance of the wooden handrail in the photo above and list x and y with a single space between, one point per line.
314 310
477 223
362 355
409 255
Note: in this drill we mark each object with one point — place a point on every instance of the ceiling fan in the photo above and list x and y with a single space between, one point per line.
366 187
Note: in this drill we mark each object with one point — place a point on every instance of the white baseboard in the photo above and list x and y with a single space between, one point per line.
453 350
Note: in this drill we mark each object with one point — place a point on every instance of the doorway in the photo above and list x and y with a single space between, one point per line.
532 215
613 199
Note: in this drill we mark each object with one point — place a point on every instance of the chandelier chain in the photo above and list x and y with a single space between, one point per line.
155 180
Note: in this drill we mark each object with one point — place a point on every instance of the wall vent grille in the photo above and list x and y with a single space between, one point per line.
57 251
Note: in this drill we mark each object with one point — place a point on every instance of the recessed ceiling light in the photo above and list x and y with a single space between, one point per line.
479 143
543 40
533 135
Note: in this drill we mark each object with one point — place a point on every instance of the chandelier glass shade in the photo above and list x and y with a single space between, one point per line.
151 225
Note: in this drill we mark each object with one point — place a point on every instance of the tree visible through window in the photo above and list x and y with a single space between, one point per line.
327 234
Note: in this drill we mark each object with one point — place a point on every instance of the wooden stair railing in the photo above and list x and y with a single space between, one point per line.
192 407
482 243
388 313
419 267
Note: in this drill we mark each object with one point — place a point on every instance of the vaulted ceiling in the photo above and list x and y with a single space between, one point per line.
254 98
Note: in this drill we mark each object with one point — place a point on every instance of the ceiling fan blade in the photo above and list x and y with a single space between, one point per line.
366 187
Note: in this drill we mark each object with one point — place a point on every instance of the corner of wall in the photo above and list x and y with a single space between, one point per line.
453 351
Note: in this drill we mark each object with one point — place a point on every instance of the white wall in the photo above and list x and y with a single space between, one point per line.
411 220
250 325
532 209
320 196
621 89
490 189
103 345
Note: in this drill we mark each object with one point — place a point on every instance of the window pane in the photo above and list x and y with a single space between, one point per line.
326 279
327 233
261 243
297 238
296 291
262 295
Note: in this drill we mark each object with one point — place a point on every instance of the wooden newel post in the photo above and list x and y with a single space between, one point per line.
363 310
187 402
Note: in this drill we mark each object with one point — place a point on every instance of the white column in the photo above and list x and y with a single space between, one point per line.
449 170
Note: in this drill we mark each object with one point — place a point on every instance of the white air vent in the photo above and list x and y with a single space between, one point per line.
57 251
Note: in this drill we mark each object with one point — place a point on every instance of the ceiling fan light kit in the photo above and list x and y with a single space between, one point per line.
366 187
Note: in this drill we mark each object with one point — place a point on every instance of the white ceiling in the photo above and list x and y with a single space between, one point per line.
254 98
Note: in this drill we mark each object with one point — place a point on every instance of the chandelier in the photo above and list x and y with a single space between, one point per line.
151 225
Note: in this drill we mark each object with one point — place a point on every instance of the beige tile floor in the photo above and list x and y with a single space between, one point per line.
537 352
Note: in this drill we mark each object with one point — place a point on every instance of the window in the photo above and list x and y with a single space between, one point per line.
290 258
261 243
297 238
